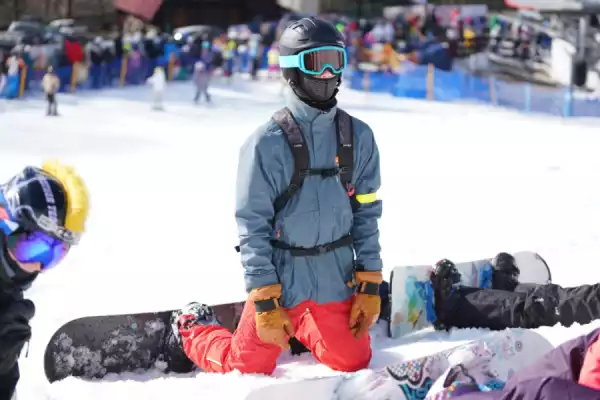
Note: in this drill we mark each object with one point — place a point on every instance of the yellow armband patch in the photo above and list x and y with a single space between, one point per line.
366 198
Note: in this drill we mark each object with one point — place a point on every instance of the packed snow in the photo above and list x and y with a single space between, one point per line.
459 181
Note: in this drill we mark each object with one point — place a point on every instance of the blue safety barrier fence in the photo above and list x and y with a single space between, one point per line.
423 82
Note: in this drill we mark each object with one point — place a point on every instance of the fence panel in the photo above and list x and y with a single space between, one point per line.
422 82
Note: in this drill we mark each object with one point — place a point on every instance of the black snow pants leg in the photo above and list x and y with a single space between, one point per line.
52 106
529 306
8 383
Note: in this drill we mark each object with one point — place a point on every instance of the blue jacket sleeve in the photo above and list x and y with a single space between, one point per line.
365 230
255 196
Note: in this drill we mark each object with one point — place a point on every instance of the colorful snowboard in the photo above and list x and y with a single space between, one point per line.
486 363
91 347
410 292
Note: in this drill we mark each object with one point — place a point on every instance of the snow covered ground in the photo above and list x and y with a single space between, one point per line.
459 181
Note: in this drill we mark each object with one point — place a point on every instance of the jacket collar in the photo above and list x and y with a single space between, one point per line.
305 114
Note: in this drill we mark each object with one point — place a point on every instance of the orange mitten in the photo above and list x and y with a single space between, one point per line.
273 325
367 303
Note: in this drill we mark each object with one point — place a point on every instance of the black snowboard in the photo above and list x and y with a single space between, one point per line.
91 347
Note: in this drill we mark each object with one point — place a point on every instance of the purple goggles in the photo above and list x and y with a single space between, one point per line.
37 247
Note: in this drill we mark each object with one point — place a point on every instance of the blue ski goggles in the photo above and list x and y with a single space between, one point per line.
37 247
316 61
28 245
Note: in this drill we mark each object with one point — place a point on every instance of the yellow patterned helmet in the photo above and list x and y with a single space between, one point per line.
43 212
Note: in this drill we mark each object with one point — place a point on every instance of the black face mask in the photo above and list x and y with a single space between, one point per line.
317 93
319 90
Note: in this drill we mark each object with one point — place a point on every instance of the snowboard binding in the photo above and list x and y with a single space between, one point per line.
506 273
190 315
185 318
444 279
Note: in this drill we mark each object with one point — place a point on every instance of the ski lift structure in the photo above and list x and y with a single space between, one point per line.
581 10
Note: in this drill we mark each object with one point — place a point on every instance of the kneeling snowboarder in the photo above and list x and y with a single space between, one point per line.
301 224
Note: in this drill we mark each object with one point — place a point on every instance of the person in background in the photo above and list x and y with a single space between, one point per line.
273 62
201 80
13 63
254 52
158 81
2 82
95 50
434 52
51 85
228 54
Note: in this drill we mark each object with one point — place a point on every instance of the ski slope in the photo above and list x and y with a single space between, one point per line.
459 181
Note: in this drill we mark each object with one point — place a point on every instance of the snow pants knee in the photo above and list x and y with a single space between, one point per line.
529 306
322 328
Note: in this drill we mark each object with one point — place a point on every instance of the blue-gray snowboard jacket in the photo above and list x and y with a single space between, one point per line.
319 213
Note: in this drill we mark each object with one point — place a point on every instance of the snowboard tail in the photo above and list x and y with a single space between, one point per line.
411 294
92 347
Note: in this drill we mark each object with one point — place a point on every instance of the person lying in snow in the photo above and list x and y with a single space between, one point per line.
509 304
571 371
306 206
42 215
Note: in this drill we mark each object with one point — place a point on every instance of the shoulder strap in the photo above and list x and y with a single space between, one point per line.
294 138
346 149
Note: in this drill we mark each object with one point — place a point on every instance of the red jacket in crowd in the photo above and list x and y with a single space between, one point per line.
74 51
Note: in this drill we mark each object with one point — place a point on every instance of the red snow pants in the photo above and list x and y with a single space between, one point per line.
322 328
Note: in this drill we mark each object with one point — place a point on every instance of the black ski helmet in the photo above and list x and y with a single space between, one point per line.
310 33
37 201
33 200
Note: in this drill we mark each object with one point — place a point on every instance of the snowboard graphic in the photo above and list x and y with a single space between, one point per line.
483 364
411 305
92 347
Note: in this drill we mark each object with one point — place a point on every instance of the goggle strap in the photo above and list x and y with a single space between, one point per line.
292 61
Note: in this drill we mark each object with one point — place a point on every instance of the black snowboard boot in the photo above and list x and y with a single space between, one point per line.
444 279
190 315
506 273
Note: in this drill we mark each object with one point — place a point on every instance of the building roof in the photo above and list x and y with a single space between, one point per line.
581 6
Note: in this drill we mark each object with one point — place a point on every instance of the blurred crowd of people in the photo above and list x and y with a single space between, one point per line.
380 44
